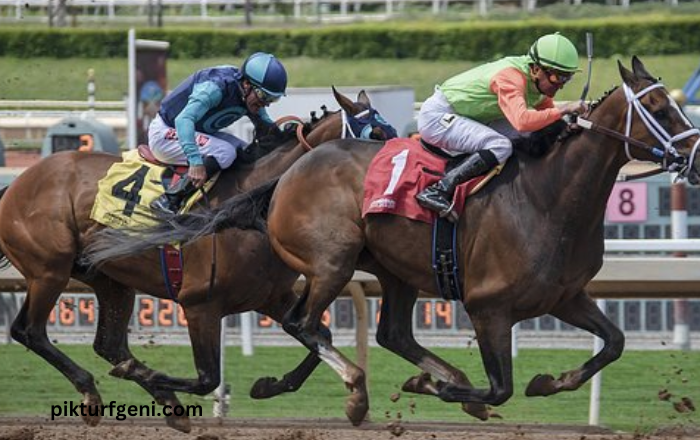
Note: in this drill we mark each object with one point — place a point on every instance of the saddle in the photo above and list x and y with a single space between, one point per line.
172 174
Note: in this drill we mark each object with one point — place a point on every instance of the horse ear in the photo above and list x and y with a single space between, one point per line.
362 98
640 70
344 101
628 77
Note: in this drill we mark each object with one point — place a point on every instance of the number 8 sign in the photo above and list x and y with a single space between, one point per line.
627 203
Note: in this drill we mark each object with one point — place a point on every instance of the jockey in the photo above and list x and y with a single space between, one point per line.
514 93
187 130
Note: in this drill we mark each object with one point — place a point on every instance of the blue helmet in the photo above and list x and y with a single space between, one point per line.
266 72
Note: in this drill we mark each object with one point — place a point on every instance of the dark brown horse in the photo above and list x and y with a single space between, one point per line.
45 225
528 244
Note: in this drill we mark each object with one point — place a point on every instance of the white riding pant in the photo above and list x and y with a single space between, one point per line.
166 147
439 125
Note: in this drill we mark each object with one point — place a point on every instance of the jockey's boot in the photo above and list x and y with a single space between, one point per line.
438 197
170 201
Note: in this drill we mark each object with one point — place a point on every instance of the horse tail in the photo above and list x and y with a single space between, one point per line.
244 211
4 262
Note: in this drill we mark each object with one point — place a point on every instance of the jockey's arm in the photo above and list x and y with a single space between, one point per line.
510 85
204 97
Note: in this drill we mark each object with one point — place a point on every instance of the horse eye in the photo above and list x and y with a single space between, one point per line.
661 114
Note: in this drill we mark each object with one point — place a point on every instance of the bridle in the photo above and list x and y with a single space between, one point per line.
359 126
362 125
666 154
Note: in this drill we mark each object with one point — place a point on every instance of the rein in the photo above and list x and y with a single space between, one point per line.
299 131
668 157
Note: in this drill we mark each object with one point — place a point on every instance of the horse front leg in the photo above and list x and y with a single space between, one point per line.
493 333
204 325
267 387
581 312
395 333
280 302
116 303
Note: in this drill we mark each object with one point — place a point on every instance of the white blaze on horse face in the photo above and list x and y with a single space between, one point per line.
334 360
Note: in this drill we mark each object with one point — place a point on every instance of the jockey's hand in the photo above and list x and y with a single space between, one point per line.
577 107
198 175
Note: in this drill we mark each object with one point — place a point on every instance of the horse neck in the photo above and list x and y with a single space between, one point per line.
578 176
244 178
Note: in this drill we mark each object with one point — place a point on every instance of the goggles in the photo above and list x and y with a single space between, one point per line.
556 77
265 97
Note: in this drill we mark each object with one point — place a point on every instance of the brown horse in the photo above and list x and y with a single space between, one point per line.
528 243
45 218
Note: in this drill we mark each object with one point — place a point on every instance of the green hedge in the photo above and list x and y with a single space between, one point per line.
649 35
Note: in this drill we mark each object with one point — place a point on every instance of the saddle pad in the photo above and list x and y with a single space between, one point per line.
124 194
400 170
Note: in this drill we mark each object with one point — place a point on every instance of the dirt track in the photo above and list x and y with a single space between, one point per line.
311 429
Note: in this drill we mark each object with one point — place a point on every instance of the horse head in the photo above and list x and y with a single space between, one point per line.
653 127
361 120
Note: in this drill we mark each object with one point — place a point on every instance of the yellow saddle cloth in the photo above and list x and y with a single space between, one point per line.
125 193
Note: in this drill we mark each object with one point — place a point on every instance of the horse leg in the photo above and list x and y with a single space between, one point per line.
267 387
583 313
204 324
395 333
303 322
29 329
493 333
111 343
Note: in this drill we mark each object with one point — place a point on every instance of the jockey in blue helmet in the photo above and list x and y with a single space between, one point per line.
188 127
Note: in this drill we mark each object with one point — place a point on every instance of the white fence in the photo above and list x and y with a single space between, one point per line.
298 10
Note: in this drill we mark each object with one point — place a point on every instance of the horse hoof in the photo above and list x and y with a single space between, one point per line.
357 406
356 412
420 384
265 387
541 385
123 369
179 423
478 410
92 401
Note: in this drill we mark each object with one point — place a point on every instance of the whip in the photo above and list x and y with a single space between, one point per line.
589 52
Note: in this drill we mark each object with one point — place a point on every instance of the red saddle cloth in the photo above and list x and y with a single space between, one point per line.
399 171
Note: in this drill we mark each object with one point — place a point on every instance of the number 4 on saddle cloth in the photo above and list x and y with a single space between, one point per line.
125 193
401 169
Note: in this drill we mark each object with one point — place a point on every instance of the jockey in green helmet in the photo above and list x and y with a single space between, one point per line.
483 110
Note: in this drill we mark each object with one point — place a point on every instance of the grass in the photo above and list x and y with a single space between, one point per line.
66 79
630 386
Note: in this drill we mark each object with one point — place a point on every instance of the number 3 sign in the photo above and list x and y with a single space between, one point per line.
627 203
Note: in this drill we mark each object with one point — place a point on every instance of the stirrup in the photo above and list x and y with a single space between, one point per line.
163 205
450 214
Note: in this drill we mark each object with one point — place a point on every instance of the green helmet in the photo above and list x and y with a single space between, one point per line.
555 51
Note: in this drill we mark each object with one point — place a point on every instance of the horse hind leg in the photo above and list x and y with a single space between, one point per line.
116 303
395 334
303 322
29 329
581 312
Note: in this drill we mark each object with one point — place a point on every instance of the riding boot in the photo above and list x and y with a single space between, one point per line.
438 197
170 201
